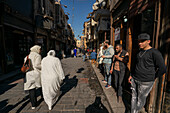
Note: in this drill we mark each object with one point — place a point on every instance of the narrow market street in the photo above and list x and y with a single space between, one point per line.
125 43
80 90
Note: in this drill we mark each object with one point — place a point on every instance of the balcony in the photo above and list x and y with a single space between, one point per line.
44 22
101 13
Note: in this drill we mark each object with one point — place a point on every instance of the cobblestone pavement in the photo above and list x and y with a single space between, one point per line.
81 92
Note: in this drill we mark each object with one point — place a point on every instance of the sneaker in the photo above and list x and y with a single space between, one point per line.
32 107
108 86
104 81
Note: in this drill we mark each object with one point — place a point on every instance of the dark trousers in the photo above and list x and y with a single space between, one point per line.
118 77
33 98
101 68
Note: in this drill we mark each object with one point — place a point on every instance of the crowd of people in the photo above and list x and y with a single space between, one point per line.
47 73
112 62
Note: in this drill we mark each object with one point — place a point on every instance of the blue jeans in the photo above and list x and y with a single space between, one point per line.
107 74
140 91
84 56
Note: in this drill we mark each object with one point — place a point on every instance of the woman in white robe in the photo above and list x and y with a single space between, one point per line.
52 76
32 77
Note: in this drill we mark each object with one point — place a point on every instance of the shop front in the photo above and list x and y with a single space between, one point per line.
17 46
144 17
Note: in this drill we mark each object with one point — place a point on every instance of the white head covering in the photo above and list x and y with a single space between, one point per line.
51 53
35 48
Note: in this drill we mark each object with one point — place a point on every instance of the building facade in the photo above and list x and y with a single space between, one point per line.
143 16
26 23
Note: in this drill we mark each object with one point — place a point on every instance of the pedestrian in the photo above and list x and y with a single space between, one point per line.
148 66
87 53
32 78
88 50
52 76
84 54
62 53
107 61
75 52
93 57
118 68
100 59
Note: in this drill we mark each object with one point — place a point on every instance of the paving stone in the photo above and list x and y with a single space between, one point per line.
58 107
79 107
79 91
79 111
66 102
55 112
68 111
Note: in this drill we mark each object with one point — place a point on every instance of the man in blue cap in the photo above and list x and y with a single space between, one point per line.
148 66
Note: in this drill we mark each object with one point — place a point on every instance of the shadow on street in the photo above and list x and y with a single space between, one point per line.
5 108
96 107
67 85
80 70
5 85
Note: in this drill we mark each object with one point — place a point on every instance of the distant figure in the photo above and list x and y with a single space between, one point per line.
84 54
72 52
75 53
52 76
93 57
63 55
32 78
100 59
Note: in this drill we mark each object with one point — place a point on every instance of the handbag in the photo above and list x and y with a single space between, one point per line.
26 65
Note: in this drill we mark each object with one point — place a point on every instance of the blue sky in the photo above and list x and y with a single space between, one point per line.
81 10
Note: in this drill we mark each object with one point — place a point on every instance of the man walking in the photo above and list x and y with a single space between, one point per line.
93 57
118 68
75 52
149 65
100 59
107 61
84 54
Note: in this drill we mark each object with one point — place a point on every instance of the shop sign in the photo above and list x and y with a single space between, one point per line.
117 34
